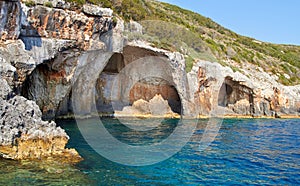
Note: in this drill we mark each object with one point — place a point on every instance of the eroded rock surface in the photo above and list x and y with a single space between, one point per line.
240 95
10 13
24 135
49 54
155 107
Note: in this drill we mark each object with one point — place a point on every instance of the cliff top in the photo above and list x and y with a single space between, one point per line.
204 39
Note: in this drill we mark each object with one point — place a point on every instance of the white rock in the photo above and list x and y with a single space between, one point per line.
97 11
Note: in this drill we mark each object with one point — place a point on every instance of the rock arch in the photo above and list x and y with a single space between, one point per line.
96 69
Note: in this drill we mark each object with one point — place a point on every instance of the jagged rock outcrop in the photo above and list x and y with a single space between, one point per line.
44 33
259 95
69 51
85 28
24 135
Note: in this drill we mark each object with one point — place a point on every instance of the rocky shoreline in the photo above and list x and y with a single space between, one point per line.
49 55
24 135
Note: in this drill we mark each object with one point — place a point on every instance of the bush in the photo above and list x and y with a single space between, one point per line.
78 2
30 3
189 63
48 4
103 3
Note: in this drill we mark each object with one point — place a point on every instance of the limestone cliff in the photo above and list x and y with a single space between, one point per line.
67 50
258 94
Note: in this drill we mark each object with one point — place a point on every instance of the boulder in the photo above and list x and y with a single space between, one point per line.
97 11
24 135
157 107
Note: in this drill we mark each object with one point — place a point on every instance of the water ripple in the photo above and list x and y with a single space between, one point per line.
246 151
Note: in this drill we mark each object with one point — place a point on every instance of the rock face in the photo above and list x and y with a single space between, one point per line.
44 33
10 13
51 55
240 95
24 135
206 86
97 11
66 25
50 39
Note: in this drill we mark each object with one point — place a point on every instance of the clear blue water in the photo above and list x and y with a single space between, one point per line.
246 151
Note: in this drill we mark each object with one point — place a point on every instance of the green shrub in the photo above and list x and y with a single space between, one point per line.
189 63
236 59
30 3
235 69
48 4
77 2
103 3
284 80
132 10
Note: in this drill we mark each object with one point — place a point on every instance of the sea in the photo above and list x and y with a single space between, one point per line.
242 152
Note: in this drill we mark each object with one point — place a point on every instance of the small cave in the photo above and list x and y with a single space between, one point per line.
49 86
232 92
115 64
145 89
40 86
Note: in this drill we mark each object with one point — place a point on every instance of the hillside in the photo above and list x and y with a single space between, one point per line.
199 37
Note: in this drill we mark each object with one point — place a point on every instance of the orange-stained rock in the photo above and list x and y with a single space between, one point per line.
40 148
65 24
147 91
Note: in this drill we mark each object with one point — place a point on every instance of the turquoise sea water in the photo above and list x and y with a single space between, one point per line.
245 151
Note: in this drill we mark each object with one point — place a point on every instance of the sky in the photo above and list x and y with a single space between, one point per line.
275 21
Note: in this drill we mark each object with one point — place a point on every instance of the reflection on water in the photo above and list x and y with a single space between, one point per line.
133 137
245 151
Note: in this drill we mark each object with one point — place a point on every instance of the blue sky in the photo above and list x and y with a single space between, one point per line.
276 21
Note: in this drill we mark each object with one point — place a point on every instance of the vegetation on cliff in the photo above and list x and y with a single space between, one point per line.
202 38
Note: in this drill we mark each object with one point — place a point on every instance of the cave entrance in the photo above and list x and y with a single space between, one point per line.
145 89
233 91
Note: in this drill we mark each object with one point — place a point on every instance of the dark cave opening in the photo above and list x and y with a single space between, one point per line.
233 91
